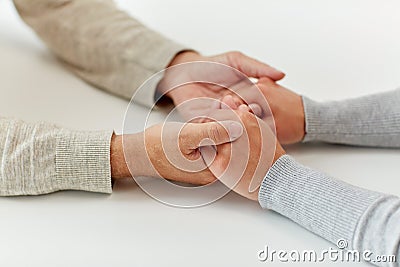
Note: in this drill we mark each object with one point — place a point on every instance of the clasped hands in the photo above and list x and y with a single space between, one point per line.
237 146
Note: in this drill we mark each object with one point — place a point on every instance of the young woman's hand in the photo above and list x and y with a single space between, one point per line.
284 105
287 109
250 157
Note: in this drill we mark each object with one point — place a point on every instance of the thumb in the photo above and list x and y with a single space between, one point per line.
213 133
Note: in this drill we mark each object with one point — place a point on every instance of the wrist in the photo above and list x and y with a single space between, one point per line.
184 56
301 121
164 86
129 157
279 152
119 168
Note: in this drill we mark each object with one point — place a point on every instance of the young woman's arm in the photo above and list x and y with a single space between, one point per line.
361 219
337 211
372 120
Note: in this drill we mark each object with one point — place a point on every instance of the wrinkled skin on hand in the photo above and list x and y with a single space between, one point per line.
193 77
171 150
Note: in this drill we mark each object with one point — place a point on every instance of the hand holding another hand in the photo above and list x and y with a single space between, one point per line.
238 149
208 78
287 109
284 105
170 150
184 152
250 156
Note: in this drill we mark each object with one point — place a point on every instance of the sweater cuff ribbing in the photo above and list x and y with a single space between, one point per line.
83 161
371 120
314 121
323 205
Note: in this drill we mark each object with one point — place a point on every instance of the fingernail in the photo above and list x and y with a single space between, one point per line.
235 130
243 107
278 70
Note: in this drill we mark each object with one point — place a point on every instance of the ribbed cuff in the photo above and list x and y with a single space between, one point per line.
321 204
365 121
314 119
324 122
83 161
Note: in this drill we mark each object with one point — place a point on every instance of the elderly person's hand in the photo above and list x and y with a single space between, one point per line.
213 76
170 150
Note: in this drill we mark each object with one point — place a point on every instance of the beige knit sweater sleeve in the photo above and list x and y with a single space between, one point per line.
100 43
105 47
43 158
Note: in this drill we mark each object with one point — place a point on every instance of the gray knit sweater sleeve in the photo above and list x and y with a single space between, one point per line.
333 209
372 120
42 158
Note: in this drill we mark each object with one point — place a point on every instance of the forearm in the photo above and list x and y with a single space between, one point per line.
43 158
367 121
100 43
331 208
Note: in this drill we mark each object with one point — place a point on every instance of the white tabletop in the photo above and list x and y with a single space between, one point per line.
329 49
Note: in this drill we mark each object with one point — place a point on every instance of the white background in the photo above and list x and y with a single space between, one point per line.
329 50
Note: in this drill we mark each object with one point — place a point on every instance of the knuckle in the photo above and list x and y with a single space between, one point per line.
214 132
183 135
234 57
236 53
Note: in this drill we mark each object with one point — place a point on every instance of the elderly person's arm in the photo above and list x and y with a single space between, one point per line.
100 43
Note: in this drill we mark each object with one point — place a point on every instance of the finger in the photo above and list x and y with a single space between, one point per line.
256 109
216 132
244 108
228 102
267 82
216 163
208 154
238 101
254 68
